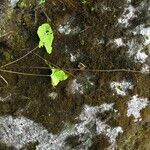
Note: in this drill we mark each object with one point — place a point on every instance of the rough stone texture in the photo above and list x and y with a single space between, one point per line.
18 132
92 109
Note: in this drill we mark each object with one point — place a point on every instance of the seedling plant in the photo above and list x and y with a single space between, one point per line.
46 37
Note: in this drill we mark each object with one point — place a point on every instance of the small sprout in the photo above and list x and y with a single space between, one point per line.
46 36
57 76
22 4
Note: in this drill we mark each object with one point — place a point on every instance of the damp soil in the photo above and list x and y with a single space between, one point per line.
29 96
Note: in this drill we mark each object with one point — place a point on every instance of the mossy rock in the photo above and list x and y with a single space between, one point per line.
136 137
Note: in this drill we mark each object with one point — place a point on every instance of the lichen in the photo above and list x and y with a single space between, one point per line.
17 132
128 14
121 88
135 105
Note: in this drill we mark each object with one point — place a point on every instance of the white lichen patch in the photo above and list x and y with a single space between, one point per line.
128 14
64 29
121 88
129 1
135 105
136 51
112 133
89 119
133 47
145 68
104 8
53 95
17 132
81 85
144 31
77 87
13 3
140 56
73 57
119 42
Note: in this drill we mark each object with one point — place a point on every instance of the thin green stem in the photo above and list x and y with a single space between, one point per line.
46 16
50 67
22 73
10 63
91 70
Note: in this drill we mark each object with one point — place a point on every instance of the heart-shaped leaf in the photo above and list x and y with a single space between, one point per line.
57 76
46 36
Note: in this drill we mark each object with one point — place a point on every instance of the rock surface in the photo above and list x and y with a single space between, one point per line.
105 48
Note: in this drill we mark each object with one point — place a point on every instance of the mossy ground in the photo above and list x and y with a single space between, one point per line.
29 95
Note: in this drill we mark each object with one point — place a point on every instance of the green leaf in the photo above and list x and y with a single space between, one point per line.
46 36
57 76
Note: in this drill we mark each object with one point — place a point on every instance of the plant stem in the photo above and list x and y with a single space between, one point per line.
50 67
4 79
46 16
10 63
90 70
22 73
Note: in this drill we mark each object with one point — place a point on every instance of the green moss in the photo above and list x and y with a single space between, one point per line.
136 137
22 4
8 11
